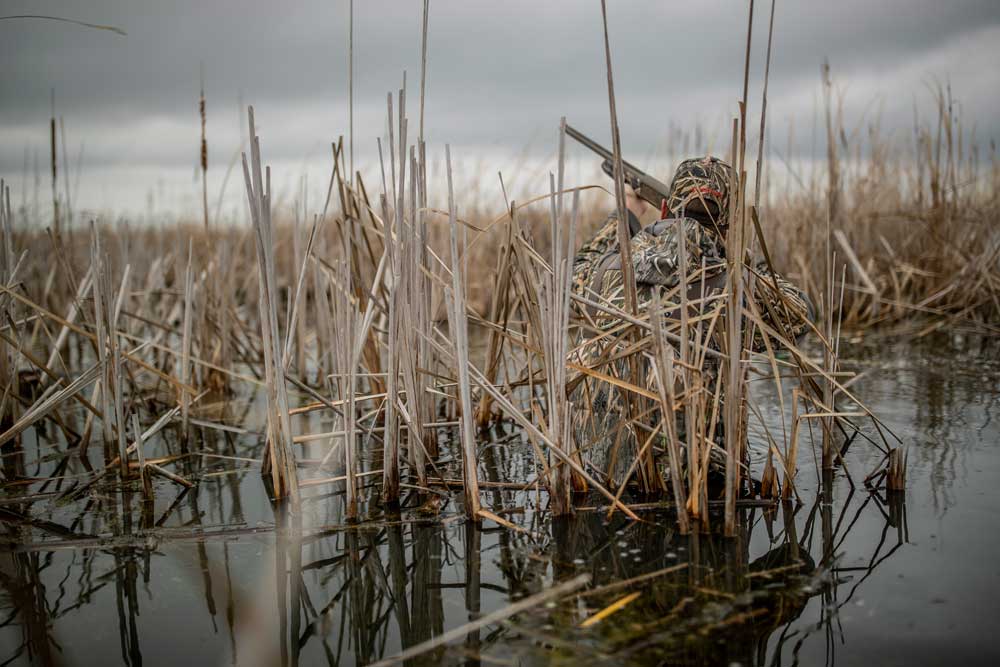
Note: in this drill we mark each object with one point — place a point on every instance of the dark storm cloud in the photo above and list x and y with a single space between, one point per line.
499 72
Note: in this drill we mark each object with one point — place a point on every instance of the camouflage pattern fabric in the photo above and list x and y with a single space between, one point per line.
656 259
700 189
603 242
699 199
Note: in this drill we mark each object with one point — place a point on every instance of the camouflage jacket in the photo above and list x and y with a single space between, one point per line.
656 253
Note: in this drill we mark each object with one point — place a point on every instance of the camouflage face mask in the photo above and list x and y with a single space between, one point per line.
700 190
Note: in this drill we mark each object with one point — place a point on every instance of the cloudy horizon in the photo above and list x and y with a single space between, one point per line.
499 78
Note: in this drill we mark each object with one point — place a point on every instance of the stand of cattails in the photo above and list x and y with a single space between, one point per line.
555 286
353 318
279 461
459 328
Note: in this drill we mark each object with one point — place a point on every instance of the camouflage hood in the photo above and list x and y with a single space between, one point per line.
700 190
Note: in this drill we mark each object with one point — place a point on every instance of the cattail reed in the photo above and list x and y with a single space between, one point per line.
54 162
68 208
203 161
345 372
359 300
666 384
735 250
459 331
280 462
100 305
185 372
8 358
390 447
554 309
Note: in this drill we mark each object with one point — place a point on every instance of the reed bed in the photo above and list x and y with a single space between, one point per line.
420 334
369 320
373 320
119 338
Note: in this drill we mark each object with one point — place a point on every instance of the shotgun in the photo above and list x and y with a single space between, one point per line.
644 185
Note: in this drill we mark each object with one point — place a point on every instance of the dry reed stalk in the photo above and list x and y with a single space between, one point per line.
628 277
423 68
69 203
300 323
71 315
224 301
97 268
769 487
279 457
554 288
406 292
49 400
55 195
400 355
415 293
763 108
792 452
88 424
499 312
166 474
455 296
390 444
532 430
295 327
735 252
743 104
740 289
321 301
896 470
350 80
185 370
633 406
47 373
691 386
833 164
147 485
666 383
346 345
829 361
8 358
116 365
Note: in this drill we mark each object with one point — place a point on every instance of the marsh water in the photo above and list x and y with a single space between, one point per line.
216 575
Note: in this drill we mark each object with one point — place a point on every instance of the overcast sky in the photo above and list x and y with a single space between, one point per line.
500 75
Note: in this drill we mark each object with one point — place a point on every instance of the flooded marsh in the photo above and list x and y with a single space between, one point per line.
216 575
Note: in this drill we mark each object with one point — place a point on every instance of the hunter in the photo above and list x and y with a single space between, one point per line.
698 207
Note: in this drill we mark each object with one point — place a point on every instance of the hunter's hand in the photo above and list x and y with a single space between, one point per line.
634 203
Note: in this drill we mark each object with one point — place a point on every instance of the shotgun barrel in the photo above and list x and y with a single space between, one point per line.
644 185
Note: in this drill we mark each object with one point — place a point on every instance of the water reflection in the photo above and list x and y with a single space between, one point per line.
111 579
699 585
396 585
